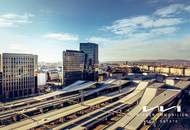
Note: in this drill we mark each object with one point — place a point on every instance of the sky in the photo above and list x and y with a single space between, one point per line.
125 30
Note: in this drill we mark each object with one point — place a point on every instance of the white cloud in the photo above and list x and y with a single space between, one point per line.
62 36
127 26
162 31
12 20
136 37
143 25
152 34
162 22
98 40
140 23
169 10
172 10
187 8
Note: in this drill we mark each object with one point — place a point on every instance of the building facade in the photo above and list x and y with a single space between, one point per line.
91 49
73 66
42 79
18 75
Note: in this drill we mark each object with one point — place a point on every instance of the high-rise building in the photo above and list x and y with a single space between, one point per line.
73 66
18 75
91 49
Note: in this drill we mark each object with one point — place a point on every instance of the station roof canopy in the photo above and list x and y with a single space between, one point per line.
79 85
182 84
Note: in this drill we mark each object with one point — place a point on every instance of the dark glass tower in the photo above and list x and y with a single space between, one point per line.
73 66
91 49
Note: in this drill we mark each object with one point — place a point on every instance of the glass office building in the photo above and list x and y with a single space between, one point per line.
73 66
91 49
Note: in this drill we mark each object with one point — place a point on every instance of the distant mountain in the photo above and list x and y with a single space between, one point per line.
173 62
114 62
165 60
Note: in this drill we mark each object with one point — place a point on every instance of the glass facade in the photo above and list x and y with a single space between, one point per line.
73 66
91 49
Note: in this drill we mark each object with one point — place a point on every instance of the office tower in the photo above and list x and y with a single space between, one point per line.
73 66
91 49
18 75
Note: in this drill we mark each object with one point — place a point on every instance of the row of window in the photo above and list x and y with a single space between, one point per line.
10 87
18 93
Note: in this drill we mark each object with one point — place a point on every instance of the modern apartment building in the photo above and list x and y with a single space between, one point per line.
18 77
73 66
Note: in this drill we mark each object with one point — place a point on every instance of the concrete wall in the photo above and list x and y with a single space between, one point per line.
176 71
158 69
187 72
165 70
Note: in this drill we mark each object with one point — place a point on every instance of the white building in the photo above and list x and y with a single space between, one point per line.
42 78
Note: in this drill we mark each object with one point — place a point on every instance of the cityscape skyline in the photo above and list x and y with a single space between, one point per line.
94 64
123 30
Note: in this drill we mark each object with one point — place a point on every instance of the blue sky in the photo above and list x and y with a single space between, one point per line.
124 29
